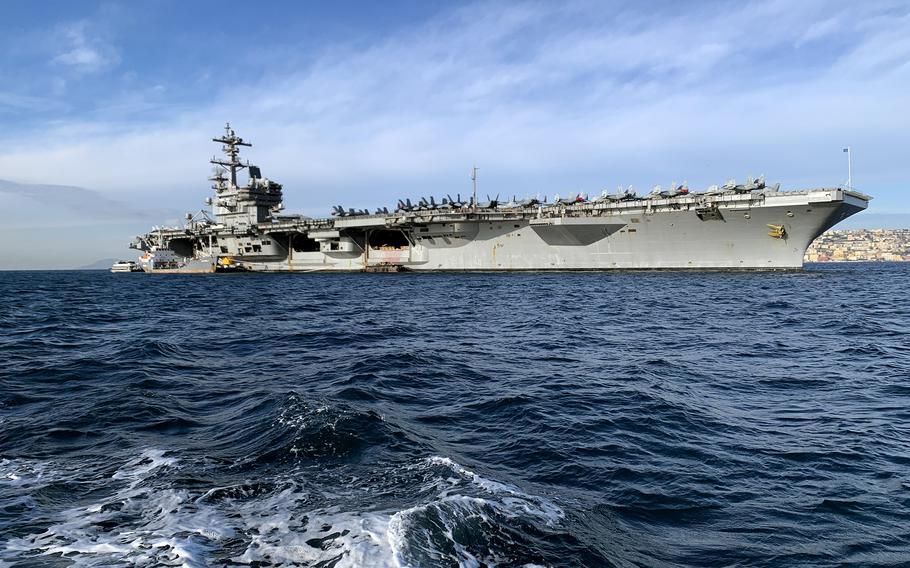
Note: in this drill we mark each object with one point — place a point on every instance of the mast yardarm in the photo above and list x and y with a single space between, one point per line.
231 143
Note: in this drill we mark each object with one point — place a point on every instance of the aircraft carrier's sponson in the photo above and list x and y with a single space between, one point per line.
750 226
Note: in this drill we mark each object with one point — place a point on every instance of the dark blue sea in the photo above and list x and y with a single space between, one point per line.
559 419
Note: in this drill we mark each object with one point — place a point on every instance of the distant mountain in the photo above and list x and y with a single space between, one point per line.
103 264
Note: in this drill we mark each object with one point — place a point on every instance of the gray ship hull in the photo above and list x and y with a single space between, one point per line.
749 226
736 238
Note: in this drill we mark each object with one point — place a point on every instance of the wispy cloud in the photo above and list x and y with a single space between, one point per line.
547 97
83 52
81 203
820 29
18 102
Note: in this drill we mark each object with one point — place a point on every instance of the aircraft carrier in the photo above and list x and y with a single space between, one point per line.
733 226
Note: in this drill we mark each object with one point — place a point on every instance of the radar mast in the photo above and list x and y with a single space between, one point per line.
230 146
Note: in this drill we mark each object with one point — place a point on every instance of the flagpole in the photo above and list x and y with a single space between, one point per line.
474 185
849 168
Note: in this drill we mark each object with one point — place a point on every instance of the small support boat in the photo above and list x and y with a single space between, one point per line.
126 266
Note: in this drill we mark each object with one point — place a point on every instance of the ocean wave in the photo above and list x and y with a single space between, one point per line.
473 521
313 430
641 419
147 520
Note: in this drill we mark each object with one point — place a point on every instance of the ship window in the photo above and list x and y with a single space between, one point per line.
247 249
517 226
257 248
223 249
266 242
633 230
424 229
635 220
334 246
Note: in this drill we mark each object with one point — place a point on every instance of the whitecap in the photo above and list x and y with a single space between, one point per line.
456 526
22 472
518 502
146 521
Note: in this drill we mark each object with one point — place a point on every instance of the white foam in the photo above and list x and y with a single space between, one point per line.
140 468
402 526
151 540
147 523
357 539
21 472
453 508
518 502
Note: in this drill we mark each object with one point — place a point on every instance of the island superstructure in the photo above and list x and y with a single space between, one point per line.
733 226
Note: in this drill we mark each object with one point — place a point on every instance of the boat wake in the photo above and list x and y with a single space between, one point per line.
460 519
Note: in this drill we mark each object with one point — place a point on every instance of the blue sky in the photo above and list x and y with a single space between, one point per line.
359 103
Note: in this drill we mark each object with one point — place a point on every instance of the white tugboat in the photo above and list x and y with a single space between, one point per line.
126 266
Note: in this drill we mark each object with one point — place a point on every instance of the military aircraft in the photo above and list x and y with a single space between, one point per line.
628 194
458 202
339 211
659 193
490 203
405 205
529 201
714 190
511 204
622 194
604 196
750 185
572 199
427 204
